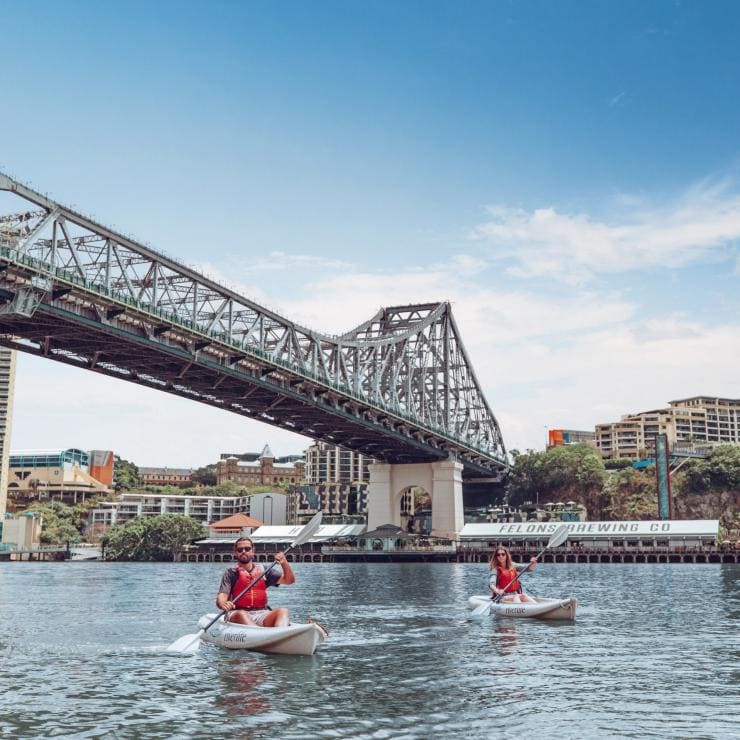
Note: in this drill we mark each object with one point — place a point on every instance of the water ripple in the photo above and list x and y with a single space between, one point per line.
648 656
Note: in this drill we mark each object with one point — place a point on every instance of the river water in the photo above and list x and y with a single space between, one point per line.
653 653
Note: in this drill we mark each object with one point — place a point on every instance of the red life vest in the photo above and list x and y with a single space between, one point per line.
256 597
505 577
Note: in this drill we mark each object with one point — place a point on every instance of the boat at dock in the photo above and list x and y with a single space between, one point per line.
84 551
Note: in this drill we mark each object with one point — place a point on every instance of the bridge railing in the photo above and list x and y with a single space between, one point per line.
59 273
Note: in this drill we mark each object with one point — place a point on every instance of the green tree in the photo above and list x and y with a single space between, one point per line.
125 474
565 472
205 476
58 524
156 538
527 477
618 464
631 494
719 471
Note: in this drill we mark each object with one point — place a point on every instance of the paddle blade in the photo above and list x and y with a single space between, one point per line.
558 536
481 611
308 531
186 645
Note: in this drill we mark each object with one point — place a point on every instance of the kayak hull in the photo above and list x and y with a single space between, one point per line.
542 609
295 639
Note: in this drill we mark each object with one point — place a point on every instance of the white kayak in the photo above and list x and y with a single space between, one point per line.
542 609
295 639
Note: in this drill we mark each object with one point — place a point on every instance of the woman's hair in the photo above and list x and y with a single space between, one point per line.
508 562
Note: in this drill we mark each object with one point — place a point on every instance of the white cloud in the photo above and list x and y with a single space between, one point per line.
338 303
572 248
565 357
601 375
616 100
279 261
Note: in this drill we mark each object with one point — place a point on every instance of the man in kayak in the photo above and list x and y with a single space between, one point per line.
251 607
503 571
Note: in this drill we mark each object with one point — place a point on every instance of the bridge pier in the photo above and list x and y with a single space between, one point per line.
441 480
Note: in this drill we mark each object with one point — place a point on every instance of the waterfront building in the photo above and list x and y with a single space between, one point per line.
628 535
233 527
54 475
204 509
179 477
219 547
703 420
263 469
342 503
325 533
7 388
22 532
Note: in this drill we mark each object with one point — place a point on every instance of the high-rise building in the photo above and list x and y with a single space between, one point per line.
704 420
337 481
328 463
7 386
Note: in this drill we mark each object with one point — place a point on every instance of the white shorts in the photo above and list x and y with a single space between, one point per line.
257 616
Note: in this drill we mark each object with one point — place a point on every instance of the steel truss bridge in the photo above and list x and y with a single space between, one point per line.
399 387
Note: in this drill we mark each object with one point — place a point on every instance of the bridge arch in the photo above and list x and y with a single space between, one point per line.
415 504
441 480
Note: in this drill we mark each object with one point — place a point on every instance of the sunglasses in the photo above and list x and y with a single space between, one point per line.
243 549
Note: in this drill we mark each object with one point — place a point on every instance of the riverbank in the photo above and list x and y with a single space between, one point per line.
466 554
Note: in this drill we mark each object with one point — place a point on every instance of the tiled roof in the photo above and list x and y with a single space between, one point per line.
236 521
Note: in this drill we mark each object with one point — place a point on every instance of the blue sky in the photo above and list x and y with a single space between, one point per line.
568 174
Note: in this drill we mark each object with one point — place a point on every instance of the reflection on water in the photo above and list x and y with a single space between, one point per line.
241 692
403 659
505 635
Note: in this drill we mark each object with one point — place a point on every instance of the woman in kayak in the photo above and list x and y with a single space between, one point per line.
503 571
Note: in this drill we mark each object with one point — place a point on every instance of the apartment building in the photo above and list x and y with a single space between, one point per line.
722 424
341 503
337 481
328 463
699 419
267 507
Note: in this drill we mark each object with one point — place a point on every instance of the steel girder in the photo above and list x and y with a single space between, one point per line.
399 387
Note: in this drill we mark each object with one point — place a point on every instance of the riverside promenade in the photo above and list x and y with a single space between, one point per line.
466 554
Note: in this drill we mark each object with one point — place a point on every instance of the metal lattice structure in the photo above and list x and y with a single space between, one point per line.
399 387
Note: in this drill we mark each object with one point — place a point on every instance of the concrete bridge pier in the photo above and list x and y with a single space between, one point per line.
441 480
